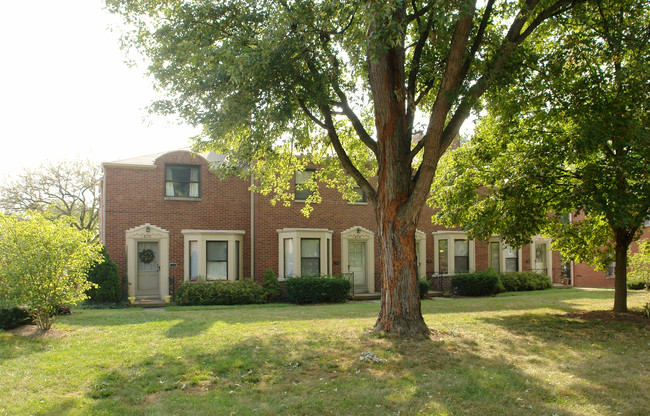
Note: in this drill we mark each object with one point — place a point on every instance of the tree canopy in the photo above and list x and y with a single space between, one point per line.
572 135
279 84
56 189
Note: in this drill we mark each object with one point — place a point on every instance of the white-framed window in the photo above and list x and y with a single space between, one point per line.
302 177
213 254
611 271
361 195
182 181
502 257
304 252
454 253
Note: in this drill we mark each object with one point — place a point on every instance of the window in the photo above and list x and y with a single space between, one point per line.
194 260
288 257
213 254
303 177
309 257
611 270
182 181
461 256
443 256
216 260
454 252
304 252
512 259
495 256
361 196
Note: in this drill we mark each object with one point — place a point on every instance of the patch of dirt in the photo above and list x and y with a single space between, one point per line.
32 331
611 316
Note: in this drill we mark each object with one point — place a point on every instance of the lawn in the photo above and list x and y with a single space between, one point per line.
514 354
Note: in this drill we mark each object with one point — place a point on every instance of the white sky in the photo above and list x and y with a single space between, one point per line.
65 90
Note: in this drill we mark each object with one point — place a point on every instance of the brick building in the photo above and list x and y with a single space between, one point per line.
165 218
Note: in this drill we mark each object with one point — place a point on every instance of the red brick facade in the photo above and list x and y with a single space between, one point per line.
133 194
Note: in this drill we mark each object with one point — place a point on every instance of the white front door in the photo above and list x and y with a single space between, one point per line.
148 280
357 264
540 258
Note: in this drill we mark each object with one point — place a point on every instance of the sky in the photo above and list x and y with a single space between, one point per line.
65 91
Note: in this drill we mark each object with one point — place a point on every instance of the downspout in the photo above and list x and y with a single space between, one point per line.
252 228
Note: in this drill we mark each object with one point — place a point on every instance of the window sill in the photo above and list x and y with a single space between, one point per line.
357 203
181 198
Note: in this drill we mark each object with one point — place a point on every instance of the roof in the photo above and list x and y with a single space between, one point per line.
150 160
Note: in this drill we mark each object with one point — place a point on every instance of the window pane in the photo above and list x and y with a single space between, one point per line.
361 195
288 257
194 259
310 267
512 259
217 250
494 257
461 247
461 256
512 265
217 270
236 259
182 181
310 247
443 256
302 177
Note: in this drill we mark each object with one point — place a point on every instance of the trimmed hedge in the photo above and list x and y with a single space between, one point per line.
637 284
303 290
477 284
13 317
220 293
107 278
525 281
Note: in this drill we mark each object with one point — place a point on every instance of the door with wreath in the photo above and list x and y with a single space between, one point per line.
148 281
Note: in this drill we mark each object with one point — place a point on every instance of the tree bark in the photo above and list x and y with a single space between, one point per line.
623 241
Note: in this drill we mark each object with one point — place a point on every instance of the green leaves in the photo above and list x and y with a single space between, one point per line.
43 263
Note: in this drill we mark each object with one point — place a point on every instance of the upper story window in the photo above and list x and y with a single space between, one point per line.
182 181
361 195
301 178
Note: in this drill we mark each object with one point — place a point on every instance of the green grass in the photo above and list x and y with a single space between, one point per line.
514 354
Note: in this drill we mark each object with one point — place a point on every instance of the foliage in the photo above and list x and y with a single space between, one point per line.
280 86
571 134
271 285
240 292
66 188
303 290
13 317
43 264
424 288
105 275
477 284
525 281
640 265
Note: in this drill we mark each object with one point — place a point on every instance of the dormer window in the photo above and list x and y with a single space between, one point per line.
182 181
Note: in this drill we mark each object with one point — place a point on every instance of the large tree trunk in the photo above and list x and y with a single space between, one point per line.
623 240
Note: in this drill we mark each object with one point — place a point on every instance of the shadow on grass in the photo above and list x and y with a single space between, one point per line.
320 374
13 346
604 362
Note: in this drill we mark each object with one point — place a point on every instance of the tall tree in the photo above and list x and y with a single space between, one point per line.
64 189
278 84
572 135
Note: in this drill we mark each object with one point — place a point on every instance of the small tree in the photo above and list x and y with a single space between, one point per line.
43 264
105 275
640 264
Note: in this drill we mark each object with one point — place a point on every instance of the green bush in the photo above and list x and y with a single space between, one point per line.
477 284
13 317
636 284
107 278
424 288
220 293
318 289
525 281
271 285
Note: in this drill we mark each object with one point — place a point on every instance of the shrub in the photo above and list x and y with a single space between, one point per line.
636 284
271 285
318 289
525 281
13 317
220 293
639 273
107 278
424 288
477 284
